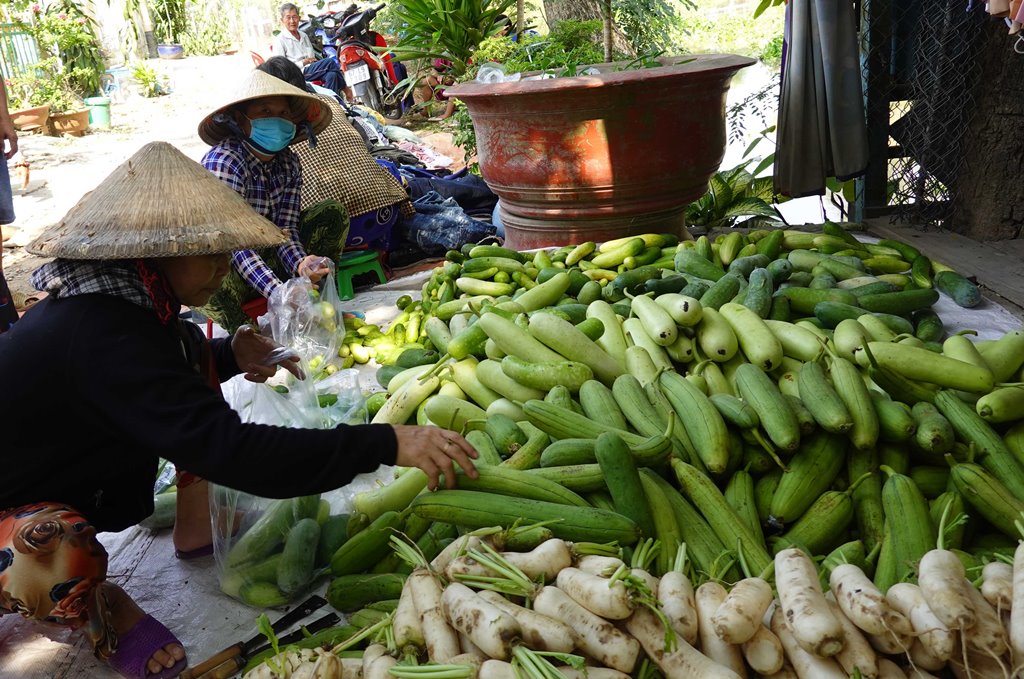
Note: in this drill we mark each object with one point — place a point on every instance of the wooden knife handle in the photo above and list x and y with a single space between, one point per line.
228 668
202 668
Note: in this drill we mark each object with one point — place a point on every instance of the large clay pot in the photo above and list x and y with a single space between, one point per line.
30 118
73 123
601 156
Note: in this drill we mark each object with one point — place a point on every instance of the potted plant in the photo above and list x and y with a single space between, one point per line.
25 116
47 87
170 22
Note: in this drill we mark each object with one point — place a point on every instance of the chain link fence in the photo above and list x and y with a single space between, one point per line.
929 81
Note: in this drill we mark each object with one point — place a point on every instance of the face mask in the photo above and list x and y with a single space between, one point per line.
273 134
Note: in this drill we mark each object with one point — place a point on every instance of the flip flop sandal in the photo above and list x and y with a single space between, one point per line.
136 646
194 553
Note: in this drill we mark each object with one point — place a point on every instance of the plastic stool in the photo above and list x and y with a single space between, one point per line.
352 263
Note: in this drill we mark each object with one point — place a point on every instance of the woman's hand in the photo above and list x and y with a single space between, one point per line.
433 450
313 267
252 350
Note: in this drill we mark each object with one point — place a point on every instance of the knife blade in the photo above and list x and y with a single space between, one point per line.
301 611
233 665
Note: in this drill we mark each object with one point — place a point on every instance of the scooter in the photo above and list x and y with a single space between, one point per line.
321 31
371 76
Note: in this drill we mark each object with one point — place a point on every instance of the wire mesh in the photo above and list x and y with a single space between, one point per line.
932 70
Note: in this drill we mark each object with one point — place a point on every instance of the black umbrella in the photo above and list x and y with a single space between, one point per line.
821 130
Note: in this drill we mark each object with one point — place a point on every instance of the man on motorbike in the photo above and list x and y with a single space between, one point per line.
296 47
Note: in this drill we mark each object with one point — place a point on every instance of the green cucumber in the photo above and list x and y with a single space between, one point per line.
295 570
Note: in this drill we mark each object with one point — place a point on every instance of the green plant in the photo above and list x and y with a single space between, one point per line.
45 85
451 32
735 197
170 20
67 38
151 83
650 24
204 35
464 135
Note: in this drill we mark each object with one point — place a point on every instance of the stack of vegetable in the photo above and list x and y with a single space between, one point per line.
744 397
566 609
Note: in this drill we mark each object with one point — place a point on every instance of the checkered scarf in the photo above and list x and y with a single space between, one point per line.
132 280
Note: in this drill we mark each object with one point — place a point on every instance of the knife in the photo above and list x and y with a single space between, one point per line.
233 665
311 604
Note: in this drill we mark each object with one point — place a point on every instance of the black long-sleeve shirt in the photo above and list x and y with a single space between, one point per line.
94 390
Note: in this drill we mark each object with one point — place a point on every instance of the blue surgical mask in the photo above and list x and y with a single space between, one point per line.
272 134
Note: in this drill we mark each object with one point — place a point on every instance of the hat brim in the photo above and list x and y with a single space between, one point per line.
159 203
306 108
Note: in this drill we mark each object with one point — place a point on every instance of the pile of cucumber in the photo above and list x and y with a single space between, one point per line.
805 375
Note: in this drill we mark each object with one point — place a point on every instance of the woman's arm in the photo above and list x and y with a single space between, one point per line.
288 210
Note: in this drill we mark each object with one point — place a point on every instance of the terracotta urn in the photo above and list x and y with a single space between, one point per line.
597 157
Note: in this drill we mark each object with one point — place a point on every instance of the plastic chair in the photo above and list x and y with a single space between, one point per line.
351 264
257 58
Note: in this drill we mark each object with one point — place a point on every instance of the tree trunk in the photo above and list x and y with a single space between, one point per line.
609 25
989 203
584 10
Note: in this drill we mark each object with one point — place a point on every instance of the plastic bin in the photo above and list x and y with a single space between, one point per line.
99 112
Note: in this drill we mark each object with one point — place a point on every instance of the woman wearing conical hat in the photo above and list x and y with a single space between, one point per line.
104 379
250 133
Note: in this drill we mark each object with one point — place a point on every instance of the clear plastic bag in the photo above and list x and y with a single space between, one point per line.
305 319
268 551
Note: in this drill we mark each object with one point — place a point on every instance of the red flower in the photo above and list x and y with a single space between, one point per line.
62 16
36 9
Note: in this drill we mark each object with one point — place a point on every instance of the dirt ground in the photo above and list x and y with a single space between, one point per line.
63 169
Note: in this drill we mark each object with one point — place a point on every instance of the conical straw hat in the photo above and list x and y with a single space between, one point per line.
256 85
158 203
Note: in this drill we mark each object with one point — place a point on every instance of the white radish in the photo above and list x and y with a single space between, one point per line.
887 669
807 665
710 597
470 659
351 668
597 637
997 585
683 662
648 579
1017 611
328 666
597 594
803 606
370 656
923 658
379 668
941 579
540 632
890 643
787 672
979 666
863 604
456 547
919 673
490 628
497 669
406 623
931 632
469 648
857 654
739 617
543 562
596 564
675 596
441 641
591 673
763 651
987 635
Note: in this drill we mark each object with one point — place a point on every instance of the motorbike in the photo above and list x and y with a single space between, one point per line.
371 76
322 31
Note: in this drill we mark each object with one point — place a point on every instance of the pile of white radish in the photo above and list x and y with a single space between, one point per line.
578 615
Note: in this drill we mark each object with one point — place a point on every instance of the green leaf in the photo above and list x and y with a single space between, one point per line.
765 163
720 188
750 207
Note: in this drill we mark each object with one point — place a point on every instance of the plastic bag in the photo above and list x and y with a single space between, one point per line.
495 73
269 552
306 319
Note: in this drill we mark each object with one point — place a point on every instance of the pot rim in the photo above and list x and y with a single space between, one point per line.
695 64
